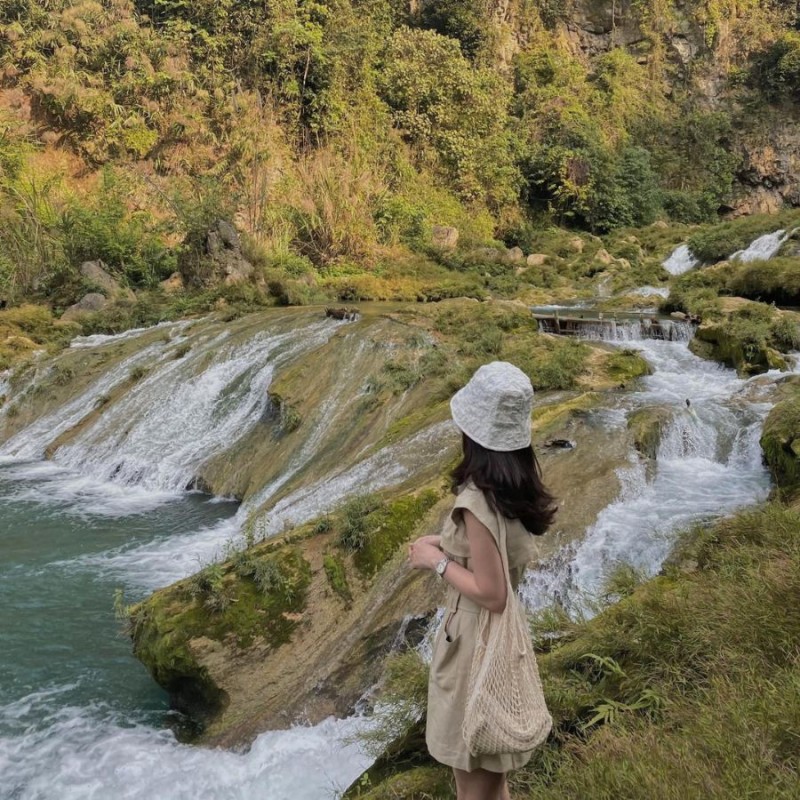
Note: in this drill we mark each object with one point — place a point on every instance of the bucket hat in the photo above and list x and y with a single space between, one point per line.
494 408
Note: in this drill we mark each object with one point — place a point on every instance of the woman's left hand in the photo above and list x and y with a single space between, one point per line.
423 555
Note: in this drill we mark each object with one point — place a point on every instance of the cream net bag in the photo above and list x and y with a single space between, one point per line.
505 710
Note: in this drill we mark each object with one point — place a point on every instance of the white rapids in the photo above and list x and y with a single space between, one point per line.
680 260
145 448
708 464
94 754
763 248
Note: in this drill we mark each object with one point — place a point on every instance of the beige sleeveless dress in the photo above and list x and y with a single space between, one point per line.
455 641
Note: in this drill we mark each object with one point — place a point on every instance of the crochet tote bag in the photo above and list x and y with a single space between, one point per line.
505 709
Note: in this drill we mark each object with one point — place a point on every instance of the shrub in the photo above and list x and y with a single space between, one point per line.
775 71
453 114
353 529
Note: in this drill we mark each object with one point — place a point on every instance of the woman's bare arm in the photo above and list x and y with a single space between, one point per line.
485 583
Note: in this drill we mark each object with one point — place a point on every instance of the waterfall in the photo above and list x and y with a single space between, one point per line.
195 398
623 330
680 260
708 463
651 291
763 248
185 411
31 442
94 753
164 561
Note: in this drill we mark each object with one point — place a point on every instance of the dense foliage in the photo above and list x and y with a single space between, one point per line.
339 132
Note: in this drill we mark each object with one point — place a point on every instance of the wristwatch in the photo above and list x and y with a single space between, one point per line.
442 566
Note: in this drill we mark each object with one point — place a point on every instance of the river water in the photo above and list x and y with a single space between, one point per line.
80 717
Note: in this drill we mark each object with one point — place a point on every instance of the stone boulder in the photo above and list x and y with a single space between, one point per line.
515 255
219 261
172 284
444 237
88 304
536 259
225 249
603 256
95 274
647 426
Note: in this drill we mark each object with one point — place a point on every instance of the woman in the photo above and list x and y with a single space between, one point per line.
498 475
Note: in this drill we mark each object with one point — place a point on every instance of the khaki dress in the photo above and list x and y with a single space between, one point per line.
455 641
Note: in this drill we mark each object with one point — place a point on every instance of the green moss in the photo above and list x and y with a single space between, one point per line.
625 365
720 241
28 328
373 531
336 574
647 426
747 337
290 418
780 441
253 597
546 417
409 424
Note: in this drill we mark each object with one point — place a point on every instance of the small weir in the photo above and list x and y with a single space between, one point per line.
613 327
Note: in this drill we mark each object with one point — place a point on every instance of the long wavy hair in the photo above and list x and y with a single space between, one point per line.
511 481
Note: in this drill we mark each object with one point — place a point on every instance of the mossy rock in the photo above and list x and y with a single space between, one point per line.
419 783
548 417
237 603
780 441
647 426
373 531
627 365
718 342
749 336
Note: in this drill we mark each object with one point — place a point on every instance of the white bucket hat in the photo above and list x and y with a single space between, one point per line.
494 408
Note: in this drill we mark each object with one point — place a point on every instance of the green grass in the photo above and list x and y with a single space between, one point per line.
688 687
248 598
720 241
776 280
372 530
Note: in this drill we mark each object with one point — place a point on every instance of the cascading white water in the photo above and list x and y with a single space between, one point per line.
680 260
98 339
92 752
98 754
632 330
32 442
709 463
163 561
762 248
651 291
185 411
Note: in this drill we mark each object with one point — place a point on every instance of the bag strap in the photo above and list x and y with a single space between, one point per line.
503 547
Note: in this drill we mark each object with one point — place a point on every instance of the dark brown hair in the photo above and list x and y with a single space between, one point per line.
511 481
